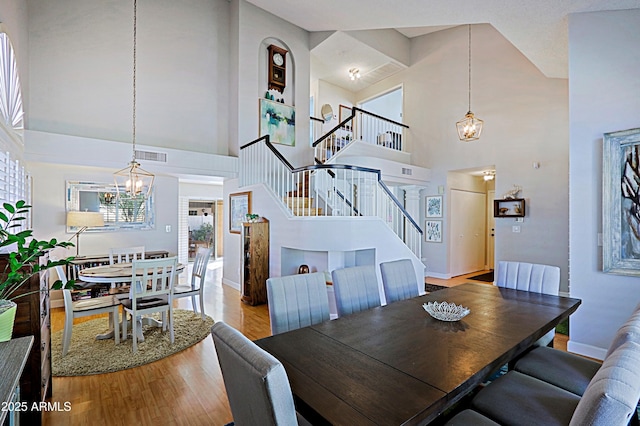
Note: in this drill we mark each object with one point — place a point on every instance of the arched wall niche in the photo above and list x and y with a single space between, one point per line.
289 93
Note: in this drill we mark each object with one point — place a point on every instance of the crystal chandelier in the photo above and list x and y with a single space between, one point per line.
470 127
133 181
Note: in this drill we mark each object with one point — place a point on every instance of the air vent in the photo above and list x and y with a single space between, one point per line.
406 171
382 72
151 156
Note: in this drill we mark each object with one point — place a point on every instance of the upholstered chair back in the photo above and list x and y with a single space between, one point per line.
297 301
257 385
611 397
529 276
356 289
629 331
399 280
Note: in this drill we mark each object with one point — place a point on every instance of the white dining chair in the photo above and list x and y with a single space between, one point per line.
196 286
532 277
124 255
152 282
86 307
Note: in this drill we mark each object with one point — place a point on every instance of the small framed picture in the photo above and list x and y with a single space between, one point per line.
433 231
239 206
433 206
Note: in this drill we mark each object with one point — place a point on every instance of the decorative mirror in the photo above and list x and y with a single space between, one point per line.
326 112
119 213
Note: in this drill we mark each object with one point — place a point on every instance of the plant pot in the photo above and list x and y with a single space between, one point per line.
7 318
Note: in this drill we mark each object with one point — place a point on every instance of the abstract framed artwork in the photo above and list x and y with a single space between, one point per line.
433 206
621 202
278 121
239 207
433 231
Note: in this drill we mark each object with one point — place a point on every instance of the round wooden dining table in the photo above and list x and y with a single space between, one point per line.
117 273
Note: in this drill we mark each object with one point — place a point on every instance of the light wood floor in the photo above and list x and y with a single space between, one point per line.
183 389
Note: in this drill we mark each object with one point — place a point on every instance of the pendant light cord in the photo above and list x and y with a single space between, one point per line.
469 68
135 31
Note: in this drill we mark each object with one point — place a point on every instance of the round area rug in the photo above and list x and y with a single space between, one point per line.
90 356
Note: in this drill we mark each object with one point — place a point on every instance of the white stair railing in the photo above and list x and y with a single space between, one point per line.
363 126
327 190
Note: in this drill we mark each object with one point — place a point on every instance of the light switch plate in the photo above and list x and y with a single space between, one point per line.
167 228
515 228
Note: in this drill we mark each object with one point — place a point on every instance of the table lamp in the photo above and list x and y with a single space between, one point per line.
83 220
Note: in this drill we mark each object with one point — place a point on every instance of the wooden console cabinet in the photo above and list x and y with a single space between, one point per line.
32 319
255 262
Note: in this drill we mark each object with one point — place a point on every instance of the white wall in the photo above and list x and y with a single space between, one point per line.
81 65
49 210
254 26
604 97
506 87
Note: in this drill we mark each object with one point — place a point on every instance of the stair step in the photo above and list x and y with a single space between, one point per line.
307 211
298 202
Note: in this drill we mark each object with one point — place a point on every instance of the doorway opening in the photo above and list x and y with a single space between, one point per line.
472 225
204 226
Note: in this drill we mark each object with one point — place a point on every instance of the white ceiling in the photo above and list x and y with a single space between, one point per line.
537 28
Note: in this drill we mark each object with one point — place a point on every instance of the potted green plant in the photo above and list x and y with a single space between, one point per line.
22 262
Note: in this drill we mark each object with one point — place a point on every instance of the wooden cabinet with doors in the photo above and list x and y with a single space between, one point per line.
255 262
33 319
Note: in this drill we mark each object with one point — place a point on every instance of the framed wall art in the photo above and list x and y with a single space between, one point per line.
621 202
433 231
433 206
239 207
278 121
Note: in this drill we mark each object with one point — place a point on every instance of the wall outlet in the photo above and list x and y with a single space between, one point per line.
515 228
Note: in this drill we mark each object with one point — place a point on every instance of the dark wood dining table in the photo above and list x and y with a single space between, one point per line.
396 365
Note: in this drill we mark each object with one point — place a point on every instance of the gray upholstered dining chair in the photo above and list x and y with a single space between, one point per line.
86 307
198 275
297 301
399 280
256 382
570 371
532 277
152 283
355 289
611 397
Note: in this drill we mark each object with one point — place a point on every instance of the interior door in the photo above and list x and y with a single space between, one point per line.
491 230
468 230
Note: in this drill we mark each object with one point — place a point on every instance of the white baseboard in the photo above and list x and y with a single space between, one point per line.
231 284
586 350
438 275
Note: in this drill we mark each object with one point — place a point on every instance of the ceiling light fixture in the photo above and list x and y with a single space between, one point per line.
133 181
489 175
470 127
354 74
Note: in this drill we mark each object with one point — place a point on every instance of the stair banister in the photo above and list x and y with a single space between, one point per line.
363 185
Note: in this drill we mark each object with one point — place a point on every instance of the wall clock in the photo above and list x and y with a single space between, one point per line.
277 68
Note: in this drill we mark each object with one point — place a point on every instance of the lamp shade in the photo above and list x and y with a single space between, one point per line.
85 219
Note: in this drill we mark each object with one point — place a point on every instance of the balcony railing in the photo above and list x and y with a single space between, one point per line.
327 189
363 126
